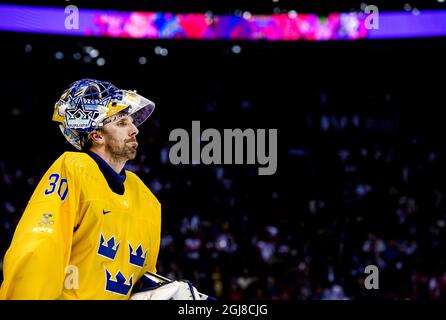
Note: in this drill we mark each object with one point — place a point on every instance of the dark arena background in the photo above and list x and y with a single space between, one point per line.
360 176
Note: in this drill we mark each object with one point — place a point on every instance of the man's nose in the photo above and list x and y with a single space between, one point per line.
134 131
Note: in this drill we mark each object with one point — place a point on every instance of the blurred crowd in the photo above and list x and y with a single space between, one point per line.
342 201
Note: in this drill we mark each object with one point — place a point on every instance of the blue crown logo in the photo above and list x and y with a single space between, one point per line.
139 257
118 286
108 250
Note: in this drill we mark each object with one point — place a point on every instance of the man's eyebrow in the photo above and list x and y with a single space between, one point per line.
128 118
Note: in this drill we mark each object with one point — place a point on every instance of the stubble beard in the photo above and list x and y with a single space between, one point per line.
121 152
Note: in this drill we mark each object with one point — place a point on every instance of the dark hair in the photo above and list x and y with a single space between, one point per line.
86 141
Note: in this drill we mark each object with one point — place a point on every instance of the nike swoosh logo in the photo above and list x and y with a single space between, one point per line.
105 212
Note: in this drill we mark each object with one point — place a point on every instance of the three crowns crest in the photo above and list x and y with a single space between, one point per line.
109 249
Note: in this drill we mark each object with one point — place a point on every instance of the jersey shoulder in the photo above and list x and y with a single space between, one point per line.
135 180
75 163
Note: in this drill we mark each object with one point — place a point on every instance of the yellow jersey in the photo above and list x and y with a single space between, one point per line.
77 239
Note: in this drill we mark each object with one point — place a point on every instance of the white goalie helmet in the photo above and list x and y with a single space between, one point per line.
89 104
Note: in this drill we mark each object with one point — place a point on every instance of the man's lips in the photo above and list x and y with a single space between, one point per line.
134 142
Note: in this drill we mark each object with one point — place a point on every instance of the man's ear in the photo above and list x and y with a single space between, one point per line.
97 136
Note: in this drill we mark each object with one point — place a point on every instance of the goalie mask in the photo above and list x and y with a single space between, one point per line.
89 104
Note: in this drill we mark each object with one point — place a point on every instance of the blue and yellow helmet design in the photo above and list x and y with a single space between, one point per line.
89 104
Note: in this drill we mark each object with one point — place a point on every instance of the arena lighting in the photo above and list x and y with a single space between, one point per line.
407 7
100 62
236 49
161 51
292 14
58 55
281 26
157 50
164 52
94 53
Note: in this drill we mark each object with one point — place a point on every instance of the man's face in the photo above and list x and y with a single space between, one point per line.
120 138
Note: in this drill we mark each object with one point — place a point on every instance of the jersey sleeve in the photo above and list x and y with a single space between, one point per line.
35 263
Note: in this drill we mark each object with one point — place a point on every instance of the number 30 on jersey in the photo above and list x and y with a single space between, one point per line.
55 183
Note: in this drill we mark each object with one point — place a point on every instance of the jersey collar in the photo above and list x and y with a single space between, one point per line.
115 181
